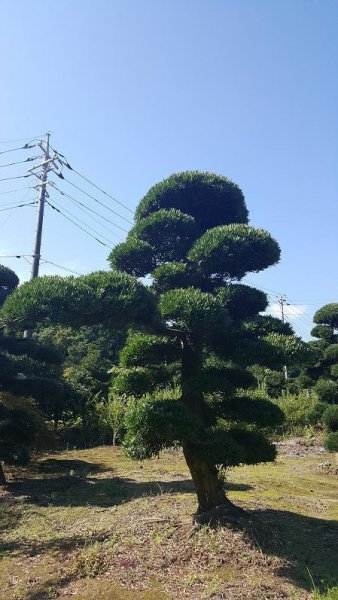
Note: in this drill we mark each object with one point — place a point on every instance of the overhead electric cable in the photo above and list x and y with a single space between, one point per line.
21 139
93 198
25 147
77 225
66 163
19 206
17 177
87 207
17 190
15 255
82 222
49 262
20 162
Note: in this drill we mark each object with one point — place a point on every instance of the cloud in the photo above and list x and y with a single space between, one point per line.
292 312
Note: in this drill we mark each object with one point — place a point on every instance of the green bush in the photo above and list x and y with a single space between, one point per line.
330 418
300 410
327 391
331 442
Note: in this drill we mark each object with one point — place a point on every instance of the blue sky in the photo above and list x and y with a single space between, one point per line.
135 90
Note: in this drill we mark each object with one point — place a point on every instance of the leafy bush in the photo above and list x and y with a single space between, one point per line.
330 418
331 442
300 410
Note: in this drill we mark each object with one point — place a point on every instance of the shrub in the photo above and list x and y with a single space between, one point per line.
300 410
331 442
330 418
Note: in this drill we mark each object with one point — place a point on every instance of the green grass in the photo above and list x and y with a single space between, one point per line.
93 524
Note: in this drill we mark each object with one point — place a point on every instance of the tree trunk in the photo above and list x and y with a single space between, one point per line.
209 487
2 475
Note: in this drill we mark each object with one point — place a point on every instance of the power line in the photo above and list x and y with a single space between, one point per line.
15 255
19 206
21 139
17 190
77 225
20 162
83 222
16 177
66 163
60 266
25 147
88 208
93 198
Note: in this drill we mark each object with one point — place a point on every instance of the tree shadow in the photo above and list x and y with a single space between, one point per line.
74 490
308 545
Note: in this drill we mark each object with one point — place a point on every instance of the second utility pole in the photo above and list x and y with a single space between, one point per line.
281 300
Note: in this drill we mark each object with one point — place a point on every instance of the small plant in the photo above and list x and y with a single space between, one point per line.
90 562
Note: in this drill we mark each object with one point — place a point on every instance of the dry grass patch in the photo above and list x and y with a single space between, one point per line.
92 524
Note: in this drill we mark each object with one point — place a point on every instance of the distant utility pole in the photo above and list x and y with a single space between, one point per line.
43 176
281 301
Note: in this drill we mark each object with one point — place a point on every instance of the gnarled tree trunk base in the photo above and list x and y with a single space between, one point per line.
213 504
2 475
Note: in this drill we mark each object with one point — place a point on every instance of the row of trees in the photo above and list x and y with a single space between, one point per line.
182 337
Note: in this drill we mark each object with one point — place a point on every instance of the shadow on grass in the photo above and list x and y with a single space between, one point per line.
308 545
72 490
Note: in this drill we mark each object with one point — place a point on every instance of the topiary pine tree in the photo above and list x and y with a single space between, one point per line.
21 422
194 331
326 369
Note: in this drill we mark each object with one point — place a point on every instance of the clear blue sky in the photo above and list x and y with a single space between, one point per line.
136 90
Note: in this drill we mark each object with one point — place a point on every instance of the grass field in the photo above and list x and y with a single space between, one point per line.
94 525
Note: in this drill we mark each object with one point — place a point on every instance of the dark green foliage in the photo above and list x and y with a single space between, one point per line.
242 301
136 381
218 375
169 232
175 275
188 375
334 371
89 353
330 418
8 282
327 391
324 332
193 310
262 325
133 256
156 422
116 297
211 199
145 349
327 315
39 352
331 442
233 446
20 426
250 408
232 251
331 354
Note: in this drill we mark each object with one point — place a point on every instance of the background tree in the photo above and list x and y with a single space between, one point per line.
325 369
23 365
193 333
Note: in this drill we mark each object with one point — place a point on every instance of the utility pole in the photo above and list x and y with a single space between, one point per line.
41 208
281 301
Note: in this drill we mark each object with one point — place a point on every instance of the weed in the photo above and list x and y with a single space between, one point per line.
90 562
